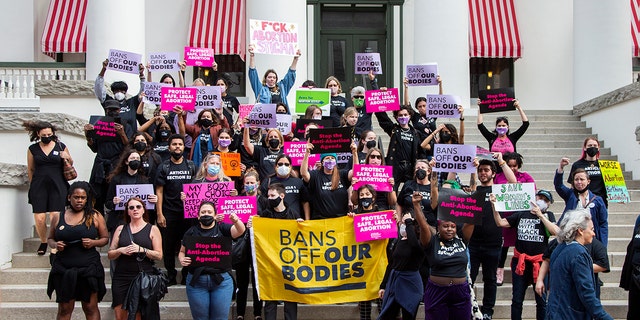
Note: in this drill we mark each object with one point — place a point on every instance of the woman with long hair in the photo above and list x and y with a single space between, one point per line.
205 133
149 160
230 104
501 139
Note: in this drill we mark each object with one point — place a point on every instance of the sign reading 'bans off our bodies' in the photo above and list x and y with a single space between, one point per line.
164 61
330 140
243 206
458 206
273 37
368 62
514 196
124 61
183 97
198 192
375 226
454 158
153 92
422 75
614 181
496 100
212 252
208 97
377 176
382 101
443 106
127 191
263 116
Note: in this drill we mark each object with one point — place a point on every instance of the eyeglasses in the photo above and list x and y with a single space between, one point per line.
138 206
358 97
375 156
280 164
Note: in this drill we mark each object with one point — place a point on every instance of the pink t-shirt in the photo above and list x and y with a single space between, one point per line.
502 145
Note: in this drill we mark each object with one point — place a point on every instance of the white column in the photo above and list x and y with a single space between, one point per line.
601 47
114 24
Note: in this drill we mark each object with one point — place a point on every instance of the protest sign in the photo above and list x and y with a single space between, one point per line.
283 123
94 118
368 62
208 97
330 140
243 206
212 252
514 196
104 130
319 97
377 176
382 101
457 206
198 192
153 92
199 57
124 61
273 37
164 61
496 100
316 261
230 163
614 181
343 157
296 150
422 75
454 158
243 112
183 97
263 115
375 226
142 191
443 106
301 126
483 153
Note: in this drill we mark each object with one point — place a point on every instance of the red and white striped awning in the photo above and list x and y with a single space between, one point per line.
493 29
65 29
218 24
635 27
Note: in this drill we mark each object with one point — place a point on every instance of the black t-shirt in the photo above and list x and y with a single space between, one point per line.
488 234
276 96
447 258
404 199
172 177
266 160
595 175
295 192
338 105
287 214
532 237
219 230
403 150
327 203
229 105
596 249
162 149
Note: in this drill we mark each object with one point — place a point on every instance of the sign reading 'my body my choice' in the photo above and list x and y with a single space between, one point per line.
273 37
198 192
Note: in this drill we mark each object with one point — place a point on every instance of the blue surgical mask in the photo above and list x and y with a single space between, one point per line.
213 169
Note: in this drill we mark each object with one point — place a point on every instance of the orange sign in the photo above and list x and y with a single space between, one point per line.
230 163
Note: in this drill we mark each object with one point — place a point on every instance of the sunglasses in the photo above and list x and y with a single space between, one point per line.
138 206
375 156
358 97
284 164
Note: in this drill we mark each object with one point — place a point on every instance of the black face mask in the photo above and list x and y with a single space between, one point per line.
134 164
592 151
206 122
47 140
371 144
445 137
275 202
176 155
365 202
140 146
274 143
206 220
421 174
164 133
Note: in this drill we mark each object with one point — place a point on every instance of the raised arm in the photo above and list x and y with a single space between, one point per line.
246 141
461 134
508 173
304 166
500 221
425 229
407 101
294 63
98 86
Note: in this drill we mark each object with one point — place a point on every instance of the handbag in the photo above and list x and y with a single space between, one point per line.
68 171
240 249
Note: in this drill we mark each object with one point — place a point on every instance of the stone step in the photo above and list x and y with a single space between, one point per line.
609 291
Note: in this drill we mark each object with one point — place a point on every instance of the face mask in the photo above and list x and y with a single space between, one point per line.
224 142
334 90
445 137
275 202
206 220
119 96
542 205
46 140
113 113
371 144
134 164
206 122
283 171
164 133
140 146
281 112
592 151
329 164
358 103
403 120
274 143
176 155
502 130
253 131
365 202
213 169
421 174
403 230
249 188
317 117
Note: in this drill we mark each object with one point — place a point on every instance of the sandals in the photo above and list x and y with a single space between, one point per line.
42 249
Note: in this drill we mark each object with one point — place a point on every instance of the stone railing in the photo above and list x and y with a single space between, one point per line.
17 79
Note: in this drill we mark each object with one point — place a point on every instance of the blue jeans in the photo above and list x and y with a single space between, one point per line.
489 258
207 300
520 284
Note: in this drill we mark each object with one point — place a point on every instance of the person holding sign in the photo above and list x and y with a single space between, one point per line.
446 134
265 157
357 100
338 102
229 102
501 140
296 194
210 286
386 199
423 124
366 142
204 133
589 162
580 197
420 183
270 90
142 143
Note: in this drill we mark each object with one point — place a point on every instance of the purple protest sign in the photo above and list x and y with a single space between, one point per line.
124 61
263 115
184 97
368 62
284 123
377 176
142 191
164 61
199 57
422 75
152 92
443 106
243 206
458 206
296 151
243 112
197 192
208 97
454 158
382 101
375 226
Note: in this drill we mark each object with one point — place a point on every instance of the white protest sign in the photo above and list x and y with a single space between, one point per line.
124 61
514 196
164 61
422 75
443 106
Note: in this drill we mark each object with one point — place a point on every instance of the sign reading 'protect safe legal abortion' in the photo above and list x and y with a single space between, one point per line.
183 97
382 100
274 37
375 226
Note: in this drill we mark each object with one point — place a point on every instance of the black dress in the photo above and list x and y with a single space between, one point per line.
127 267
48 189
76 272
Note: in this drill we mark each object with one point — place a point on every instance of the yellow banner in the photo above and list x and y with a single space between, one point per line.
315 262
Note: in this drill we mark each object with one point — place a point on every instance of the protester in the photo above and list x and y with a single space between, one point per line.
501 140
270 90
423 124
296 193
314 112
338 102
589 162
446 134
211 170
149 160
630 277
385 200
421 184
264 157
404 145
230 104
204 133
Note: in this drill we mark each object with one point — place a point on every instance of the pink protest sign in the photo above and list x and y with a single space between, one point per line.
368 62
124 61
454 158
377 176
243 206
199 57
382 101
197 192
458 206
184 97
243 112
375 226
443 106
296 151
273 37
422 75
